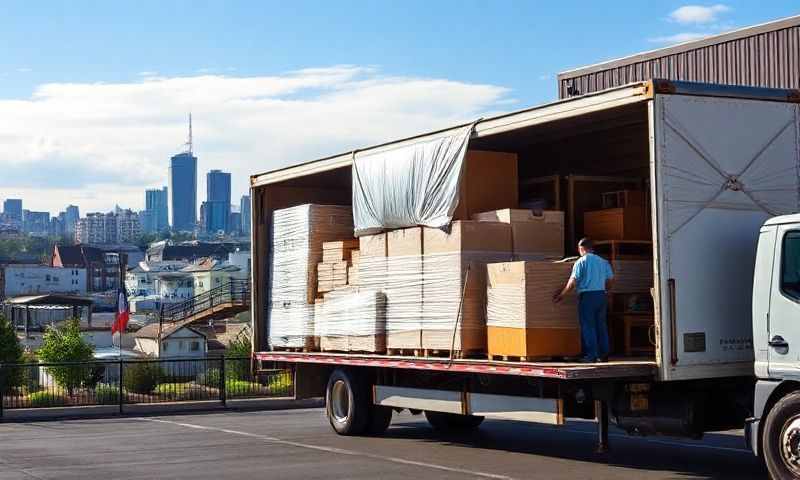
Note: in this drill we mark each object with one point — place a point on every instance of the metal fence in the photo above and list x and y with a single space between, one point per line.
127 382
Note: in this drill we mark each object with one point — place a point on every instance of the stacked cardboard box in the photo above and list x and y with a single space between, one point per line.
295 249
454 283
628 219
489 182
404 287
522 320
352 320
534 237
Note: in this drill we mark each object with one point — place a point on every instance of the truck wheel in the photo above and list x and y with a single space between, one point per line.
347 402
452 422
781 439
379 419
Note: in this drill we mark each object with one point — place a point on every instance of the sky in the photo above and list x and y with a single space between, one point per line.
94 96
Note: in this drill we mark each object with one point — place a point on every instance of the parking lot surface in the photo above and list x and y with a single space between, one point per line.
299 444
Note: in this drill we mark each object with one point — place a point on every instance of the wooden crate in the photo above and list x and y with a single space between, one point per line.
624 223
623 198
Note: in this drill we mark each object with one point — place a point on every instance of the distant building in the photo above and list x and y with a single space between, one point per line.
165 251
235 223
218 201
183 191
36 223
12 210
244 208
209 273
71 216
26 279
108 228
102 268
156 210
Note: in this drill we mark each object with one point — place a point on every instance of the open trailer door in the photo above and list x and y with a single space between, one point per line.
721 167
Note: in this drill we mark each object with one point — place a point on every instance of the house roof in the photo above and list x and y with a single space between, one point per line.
209 264
151 331
49 299
189 252
78 255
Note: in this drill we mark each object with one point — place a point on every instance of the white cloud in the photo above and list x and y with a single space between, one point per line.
698 14
147 73
678 37
98 144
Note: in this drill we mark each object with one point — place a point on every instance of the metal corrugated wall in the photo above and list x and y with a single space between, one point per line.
769 59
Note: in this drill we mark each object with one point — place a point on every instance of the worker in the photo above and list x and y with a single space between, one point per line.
592 277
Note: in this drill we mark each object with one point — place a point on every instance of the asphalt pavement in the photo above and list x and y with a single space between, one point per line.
299 444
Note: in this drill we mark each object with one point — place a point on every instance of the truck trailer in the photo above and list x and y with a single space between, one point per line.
721 166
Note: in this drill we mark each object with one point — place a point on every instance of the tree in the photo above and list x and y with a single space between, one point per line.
65 344
10 352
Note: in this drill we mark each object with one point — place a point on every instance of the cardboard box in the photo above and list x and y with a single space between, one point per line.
372 245
490 182
533 236
626 223
454 267
352 320
522 320
404 287
331 276
338 251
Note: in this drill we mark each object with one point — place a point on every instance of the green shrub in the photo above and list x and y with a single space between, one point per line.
279 383
141 377
210 378
236 388
65 344
105 394
47 399
238 348
10 352
182 391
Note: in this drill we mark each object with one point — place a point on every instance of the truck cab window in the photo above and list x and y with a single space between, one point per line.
790 266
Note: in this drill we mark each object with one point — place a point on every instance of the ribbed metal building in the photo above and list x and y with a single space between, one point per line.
766 55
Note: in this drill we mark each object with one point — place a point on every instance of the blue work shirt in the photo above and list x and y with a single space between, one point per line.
591 272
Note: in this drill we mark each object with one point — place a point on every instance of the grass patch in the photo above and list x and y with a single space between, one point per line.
105 394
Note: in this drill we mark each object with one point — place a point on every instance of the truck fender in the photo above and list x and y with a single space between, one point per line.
767 394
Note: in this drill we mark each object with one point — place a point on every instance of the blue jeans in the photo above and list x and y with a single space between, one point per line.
592 311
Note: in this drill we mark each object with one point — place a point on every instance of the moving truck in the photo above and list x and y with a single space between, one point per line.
721 167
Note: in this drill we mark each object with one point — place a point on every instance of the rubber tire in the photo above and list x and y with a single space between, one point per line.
450 422
358 412
785 409
379 419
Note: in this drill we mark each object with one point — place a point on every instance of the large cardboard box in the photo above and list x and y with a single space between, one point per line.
624 223
372 261
489 182
533 236
404 287
352 320
522 320
295 249
454 283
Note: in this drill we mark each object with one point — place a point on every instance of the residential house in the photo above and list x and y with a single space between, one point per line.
209 273
27 279
174 341
102 268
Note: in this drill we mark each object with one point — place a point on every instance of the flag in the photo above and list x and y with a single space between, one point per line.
122 314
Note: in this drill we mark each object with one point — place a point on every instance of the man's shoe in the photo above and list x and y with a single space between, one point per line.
587 360
602 360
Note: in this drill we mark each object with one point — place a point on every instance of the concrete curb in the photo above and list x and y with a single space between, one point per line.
108 411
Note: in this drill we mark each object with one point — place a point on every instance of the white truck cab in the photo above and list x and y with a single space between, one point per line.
774 431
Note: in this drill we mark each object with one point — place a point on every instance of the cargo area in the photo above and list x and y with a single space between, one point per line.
482 289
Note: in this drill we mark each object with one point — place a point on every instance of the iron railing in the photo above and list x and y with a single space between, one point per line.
235 292
127 382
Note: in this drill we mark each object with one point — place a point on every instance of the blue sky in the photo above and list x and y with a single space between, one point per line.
98 89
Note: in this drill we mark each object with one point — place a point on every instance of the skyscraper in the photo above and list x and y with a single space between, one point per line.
183 187
218 201
12 210
71 216
156 218
244 208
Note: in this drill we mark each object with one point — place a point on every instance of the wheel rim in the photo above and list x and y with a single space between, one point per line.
790 444
340 401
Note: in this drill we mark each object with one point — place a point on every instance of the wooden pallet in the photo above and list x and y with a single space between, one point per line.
434 353
293 349
515 358
404 352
